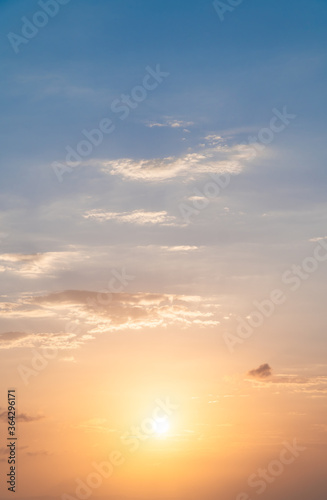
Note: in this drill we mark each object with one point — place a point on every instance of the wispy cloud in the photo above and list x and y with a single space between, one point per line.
41 453
320 238
313 386
120 311
171 123
22 417
90 313
12 340
212 156
139 217
96 424
33 265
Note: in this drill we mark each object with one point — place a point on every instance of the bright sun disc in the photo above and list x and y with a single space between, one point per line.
161 427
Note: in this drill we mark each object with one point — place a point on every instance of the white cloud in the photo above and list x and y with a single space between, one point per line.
33 265
119 311
181 248
139 217
171 123
12 340
320 238
214 156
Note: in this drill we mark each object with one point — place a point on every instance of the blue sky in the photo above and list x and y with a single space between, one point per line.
225 79
223 74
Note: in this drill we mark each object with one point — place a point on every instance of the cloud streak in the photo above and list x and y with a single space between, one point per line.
213 156
117 311
34 265
138 217
14 340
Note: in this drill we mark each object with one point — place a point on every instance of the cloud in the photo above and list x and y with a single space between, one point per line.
96 424
313 386
4 451
68 359
12 340
264 371
181 248
139 217
22 309
171 123
33 265
40 453
80 314
118 311
22 417
320 238
213 156
173 249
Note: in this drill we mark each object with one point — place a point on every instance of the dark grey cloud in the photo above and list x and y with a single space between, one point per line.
263 371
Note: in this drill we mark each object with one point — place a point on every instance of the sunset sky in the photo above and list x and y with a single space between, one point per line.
164 249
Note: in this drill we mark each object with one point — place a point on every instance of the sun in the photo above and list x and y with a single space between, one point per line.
161 428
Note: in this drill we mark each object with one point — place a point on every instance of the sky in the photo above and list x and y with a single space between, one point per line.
164 249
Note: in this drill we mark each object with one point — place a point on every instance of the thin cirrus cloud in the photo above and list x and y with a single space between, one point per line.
138 217
21 417
33 265
213 156
314 386
319 238
107 312
92 313
180 248
41 453
14 340
172 123
97 424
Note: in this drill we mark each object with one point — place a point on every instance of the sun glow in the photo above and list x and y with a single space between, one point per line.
161 428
